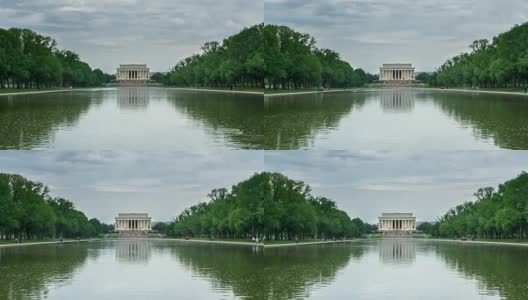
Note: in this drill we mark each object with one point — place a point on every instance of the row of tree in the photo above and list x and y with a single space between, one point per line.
268 205
236 62
31 60
27 211
500 63
501 213
293 61
266 55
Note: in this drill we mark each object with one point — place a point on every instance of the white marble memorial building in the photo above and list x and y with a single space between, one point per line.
133 72
397 72
396 222
129 222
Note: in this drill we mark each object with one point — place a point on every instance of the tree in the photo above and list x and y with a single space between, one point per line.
27 210
501 213
266 205
31 60
265 55
500 63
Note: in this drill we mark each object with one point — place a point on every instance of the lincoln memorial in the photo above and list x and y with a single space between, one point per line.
397 73
396 223
133 73
132 222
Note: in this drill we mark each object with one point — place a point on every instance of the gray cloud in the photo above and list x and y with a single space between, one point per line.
107 33
369 33
363 183
104 183
366 184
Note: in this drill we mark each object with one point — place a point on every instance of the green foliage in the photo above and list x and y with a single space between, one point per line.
30 60
269 205
265 55
426 227
293 61
501 213
27 210
237 62
501 63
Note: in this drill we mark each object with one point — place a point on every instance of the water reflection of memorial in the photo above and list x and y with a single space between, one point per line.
397 100
133 250
397 251
133 98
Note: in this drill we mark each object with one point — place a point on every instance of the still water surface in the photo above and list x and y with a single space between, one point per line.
163 269
408 119
136 118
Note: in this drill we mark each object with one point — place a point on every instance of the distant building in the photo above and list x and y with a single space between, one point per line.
133 73
397 73
133 222
397 223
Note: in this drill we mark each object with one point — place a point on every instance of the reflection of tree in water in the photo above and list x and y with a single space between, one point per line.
501 118
236 117
292 122
497 268
30 121
26 272
274 273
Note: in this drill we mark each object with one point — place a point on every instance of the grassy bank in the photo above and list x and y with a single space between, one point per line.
17 91
268 243
487 90
238 89
12 243
222 240
286 91
274 92
491 241
282 242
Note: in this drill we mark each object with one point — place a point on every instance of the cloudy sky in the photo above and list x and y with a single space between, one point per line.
369 33
106 33
366 32
362 183
104 183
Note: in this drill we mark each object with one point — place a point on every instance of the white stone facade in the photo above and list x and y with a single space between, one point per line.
397 222
132 222
133 72
397 72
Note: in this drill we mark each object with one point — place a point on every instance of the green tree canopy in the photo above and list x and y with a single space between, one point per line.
269 205
27 210
496 213
503 62
31 60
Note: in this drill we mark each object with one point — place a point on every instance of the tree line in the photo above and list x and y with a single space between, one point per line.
27 211
495 214
293 61
31 60
265 56
270 206
503 62
236 62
